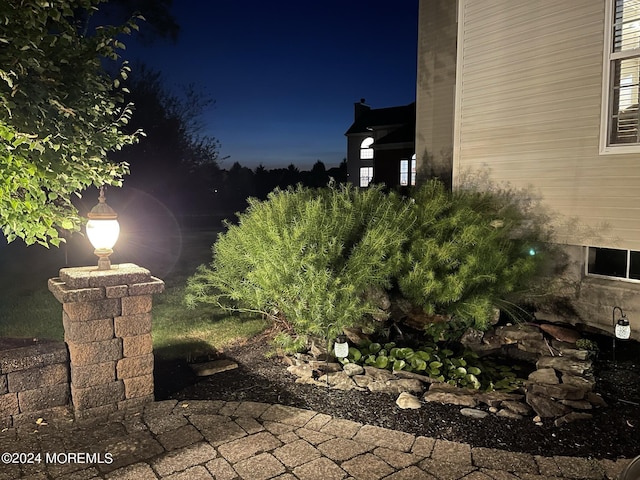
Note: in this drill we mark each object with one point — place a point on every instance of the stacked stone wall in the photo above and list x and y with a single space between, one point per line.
34 382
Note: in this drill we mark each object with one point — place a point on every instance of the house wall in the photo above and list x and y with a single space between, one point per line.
435 87
528 112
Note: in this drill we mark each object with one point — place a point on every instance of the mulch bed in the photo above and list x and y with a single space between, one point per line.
613 431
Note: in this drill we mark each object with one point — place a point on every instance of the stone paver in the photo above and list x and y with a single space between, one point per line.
205 440
367 467
500 460
261 467
296 453
321 468
340 449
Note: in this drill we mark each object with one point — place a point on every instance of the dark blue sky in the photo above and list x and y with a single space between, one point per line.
284 74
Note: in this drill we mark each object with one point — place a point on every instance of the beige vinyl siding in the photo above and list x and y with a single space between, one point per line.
528 100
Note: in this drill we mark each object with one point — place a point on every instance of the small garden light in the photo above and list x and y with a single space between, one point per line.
621 328
103 230
341 347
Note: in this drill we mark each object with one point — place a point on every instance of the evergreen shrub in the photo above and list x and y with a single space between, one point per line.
471 252
305 258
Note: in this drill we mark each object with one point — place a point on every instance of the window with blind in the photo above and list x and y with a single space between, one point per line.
624 73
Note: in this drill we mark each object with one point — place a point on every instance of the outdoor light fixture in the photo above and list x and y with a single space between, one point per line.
341 347
621 328
103 230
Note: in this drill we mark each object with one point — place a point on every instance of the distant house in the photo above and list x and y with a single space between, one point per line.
381 145
544 94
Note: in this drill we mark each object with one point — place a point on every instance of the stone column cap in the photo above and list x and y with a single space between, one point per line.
88 277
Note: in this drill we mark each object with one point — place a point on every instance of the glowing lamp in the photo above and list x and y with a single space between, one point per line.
621 328
103 230
341 347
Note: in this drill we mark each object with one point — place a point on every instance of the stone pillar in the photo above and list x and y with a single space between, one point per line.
107 328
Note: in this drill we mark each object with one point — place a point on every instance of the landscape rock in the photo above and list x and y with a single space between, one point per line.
304 370
515 333
565 365
211 368
560 392
407 401
338 380
544 375
572 417
452 398
563 334
378 374
506 413
495 399
352 369
473 413
355 335
518 408
577 404
586 382
595 399
545 407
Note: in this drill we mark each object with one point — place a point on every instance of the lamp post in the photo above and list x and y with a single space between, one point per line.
103 230
621 328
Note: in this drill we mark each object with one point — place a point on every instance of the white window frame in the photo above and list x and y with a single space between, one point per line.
365 180
404 172
366 152
607 83
609 277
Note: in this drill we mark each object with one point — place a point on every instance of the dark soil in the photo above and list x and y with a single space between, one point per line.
613 432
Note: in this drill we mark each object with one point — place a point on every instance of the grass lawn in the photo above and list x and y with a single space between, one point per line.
29 310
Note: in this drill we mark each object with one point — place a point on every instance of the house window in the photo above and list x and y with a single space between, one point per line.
366 152
413 169
622 70
613 263
404 172
366 175
408 176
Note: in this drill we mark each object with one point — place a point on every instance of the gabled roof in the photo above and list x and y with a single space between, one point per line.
383 117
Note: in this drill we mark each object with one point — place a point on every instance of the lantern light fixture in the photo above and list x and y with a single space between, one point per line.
341 347
103 230
621 328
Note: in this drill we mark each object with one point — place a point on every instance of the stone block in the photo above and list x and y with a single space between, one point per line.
65 294
138 386
81 311
132 367
135 403
117 291
9 404
137 304
95 352
83 376
97 396
148 288
136 346
3 385
87 331
38 377
559 392
33 356
95 412
43 398
58 413
132 325
85 277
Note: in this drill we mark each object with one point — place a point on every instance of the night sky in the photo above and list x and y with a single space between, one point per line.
285 74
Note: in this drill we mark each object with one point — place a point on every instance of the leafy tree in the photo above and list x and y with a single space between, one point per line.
60 114
174 160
